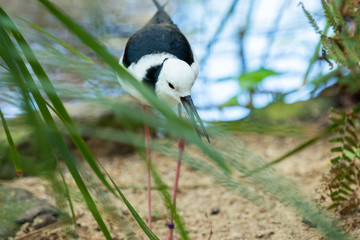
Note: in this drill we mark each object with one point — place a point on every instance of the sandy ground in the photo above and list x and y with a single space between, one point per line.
230 216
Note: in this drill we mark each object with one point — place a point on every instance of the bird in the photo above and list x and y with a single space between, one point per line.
160 57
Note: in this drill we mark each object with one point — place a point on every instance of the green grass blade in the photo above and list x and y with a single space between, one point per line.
278 186
14 153
19 75
68 196
125 137
56 101
138 219
70 162
18 67
180 226
61 42
315 56
304 145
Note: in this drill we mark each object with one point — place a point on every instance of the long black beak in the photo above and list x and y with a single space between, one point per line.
191 110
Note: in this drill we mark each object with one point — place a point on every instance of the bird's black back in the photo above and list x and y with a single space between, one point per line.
159 35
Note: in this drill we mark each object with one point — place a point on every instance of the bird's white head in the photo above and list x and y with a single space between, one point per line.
175 80
173 86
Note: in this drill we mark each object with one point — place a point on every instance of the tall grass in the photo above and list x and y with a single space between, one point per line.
226 162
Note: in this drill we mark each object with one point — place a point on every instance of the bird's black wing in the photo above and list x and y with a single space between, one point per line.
157 38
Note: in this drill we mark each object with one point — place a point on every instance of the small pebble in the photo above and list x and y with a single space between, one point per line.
262 235
215 211
43 220
259 235
125 213
44 196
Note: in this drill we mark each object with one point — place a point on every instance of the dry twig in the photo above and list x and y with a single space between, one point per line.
211 230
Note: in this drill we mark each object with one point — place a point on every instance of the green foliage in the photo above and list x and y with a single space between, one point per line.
343 183
268 181
14 152
62 43
231 102
328 15
281 112
294 151
226 163
12 57
138 219
311 19
248 82
343 45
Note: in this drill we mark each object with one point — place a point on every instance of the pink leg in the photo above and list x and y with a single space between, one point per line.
181 147
148 153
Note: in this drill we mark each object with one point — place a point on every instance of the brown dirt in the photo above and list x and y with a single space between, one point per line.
230 216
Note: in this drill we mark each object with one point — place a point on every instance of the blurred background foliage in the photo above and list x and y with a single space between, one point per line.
251 56
266 67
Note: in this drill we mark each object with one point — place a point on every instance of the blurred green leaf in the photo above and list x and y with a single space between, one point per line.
14 153
231 102
352 82
249 80
64 44
280 111
324 78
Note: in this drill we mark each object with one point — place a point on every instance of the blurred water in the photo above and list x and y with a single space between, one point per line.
289 53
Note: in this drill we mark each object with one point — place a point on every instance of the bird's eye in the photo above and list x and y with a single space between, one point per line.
171 86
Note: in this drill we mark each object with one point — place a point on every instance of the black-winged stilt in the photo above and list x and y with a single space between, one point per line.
160 56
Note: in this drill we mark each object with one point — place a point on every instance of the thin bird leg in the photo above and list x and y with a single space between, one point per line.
181 147
148 153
